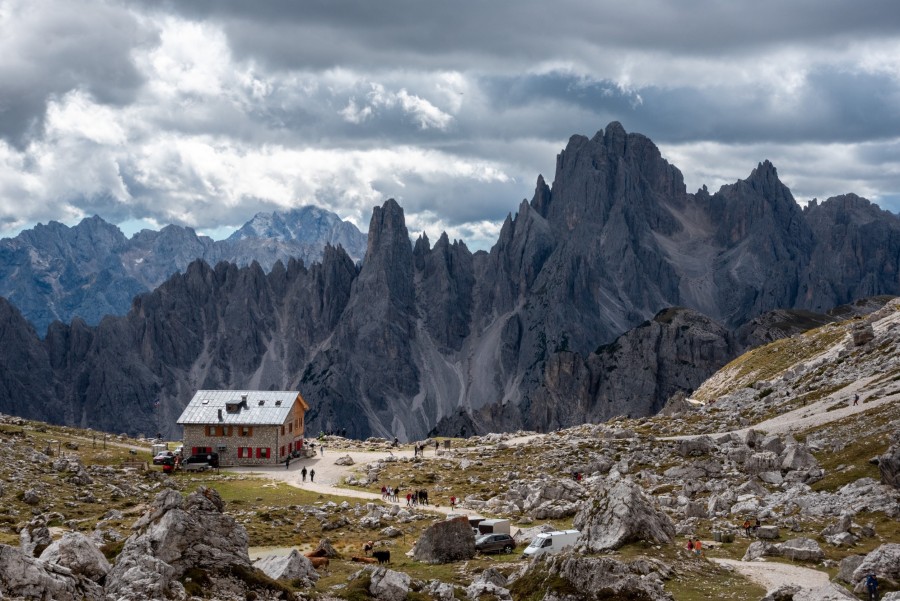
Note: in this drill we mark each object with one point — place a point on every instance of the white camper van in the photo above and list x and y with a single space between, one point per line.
551 542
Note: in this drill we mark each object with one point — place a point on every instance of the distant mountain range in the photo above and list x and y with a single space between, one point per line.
55 272
604 295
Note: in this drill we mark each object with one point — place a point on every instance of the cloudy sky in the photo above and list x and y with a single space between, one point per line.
203 113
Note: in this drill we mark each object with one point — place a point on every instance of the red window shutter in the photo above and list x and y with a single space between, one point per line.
268 453
240 452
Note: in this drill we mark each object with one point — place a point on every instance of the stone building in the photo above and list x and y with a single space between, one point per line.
248 427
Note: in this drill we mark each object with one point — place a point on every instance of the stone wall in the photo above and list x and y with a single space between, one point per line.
262 437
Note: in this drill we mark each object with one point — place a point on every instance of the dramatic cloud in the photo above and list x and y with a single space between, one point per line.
202 113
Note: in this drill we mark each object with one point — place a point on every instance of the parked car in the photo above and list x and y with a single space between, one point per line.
201 461
163 458
495 543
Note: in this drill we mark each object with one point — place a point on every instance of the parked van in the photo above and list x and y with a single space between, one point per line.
551 542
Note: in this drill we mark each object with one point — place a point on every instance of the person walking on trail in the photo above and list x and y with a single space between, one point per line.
746 527
856 399
312 475
452 502
303 473
698 548
287 463
690 546
322 450
872 586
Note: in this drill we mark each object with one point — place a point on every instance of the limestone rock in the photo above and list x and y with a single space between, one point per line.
293 566
889 466
78 553
768 532
567 576
884 562
620 514
325 549
345 460
388 585
798 457
759 549
802 549
848 566
446 541
31 578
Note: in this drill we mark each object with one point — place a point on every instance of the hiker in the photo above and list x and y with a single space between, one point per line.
436 446
452 502
698 548
312 475
396 494
303 473
383 493
756 526
856 399
287 463
872 586
396 441
408 499
690 546
322 449
746 527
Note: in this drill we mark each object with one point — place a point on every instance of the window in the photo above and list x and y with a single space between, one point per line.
200 450
281 451
218 430
245 453
246 431
291 427
282 429
263 452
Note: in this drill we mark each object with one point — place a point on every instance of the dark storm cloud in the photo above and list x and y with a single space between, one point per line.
50 49
321 34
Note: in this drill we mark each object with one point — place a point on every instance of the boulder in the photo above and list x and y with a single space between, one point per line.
862 334
889 466
446 541
294 566
489 582
31 497
840 526
790 592
620 514
798 457
325 549
388 585
78 553
802 549
23 576
848 566
759 549
573 576
767 532
762 462
345 460
884 562
35 536
695 447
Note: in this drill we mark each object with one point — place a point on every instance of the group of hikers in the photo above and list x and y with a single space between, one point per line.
695 547
413 498
419 449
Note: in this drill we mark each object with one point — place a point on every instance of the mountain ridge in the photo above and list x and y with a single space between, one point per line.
418 338
56 272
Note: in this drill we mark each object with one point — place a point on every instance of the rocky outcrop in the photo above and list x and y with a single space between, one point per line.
291 567
79 554
801 549
884 562
620 514
446 541
565 576
175 535
30 578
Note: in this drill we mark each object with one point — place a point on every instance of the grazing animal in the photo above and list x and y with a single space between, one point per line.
364 559
382 556
319 562
316 553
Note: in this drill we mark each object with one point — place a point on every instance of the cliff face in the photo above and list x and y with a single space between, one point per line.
568 318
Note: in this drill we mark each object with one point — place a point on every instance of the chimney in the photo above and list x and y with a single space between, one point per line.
220 415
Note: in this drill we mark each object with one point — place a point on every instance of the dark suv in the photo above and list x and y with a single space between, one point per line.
490 543
206 459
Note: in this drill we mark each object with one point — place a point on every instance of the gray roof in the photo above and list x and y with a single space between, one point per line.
204 407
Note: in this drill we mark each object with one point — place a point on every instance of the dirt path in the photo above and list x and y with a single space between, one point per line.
329 475
772 575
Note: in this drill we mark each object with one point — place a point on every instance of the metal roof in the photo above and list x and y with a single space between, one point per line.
261 408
